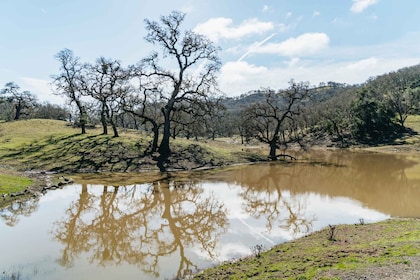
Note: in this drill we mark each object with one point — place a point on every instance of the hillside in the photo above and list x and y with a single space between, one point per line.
328 90
55 146
32 150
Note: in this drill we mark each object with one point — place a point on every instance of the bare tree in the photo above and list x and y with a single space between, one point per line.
69 83
107 82
268 119
21 100
196 62
197 118
213 118
144 104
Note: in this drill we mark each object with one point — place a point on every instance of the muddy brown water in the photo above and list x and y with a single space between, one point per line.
171 228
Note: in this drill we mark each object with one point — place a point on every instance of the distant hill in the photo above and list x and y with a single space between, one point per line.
330 89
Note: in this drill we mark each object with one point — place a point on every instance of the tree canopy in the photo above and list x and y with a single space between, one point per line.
191 80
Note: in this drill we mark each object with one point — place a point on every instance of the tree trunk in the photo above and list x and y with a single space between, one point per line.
401 119
103 120
113 124
104 125
164 149
273 149
18 110
83 116
155 137
114 129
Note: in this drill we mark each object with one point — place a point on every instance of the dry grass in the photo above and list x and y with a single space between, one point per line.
413 122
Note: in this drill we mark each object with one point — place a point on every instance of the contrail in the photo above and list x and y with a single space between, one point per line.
252 48
256 232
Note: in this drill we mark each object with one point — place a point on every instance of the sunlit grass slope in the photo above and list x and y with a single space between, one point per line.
413 122
55 146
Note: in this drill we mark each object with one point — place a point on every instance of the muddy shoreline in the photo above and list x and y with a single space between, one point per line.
48 180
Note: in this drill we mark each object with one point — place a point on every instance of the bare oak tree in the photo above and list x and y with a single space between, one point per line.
144 104
69 83
186 73
268 119
20 100
107 83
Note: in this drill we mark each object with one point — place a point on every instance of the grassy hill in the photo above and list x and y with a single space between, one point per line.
49 145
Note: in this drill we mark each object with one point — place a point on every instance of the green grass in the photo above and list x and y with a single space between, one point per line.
10 183
356 247
58 147
50 145
53 145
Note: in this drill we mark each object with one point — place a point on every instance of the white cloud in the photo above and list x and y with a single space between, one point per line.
363 64
360 5
237 77
351 65
217 28
359 71
293 62
303 45
240 77
316 13
236 70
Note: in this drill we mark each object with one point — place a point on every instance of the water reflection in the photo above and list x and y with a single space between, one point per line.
140 224
385 182
171 227
265 198
18 209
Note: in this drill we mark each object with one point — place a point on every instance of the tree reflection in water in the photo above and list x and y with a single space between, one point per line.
141 224
12 213
266 196
160 226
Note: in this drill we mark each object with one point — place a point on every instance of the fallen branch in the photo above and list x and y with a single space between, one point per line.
284 156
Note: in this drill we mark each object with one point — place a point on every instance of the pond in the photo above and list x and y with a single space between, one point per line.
170 228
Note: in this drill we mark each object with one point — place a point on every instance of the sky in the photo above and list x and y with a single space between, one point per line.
264 43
